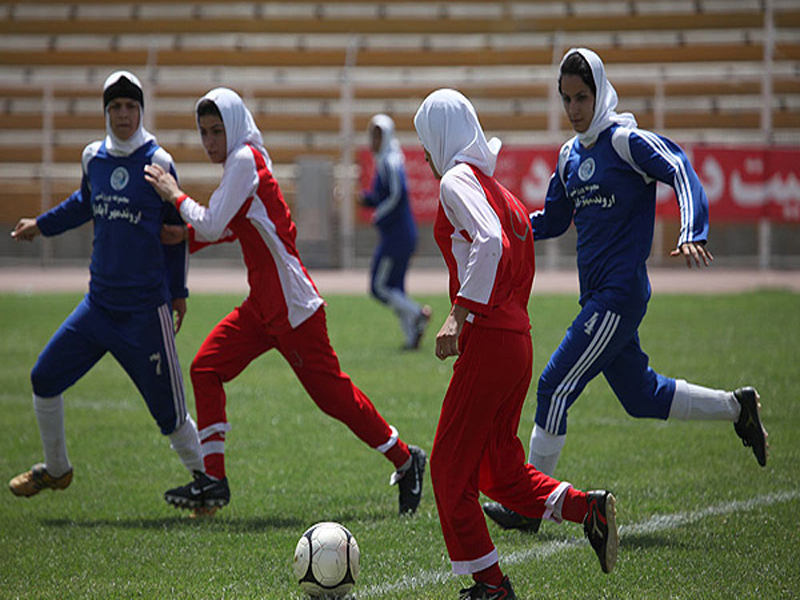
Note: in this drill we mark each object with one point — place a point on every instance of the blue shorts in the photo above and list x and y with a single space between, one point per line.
142 342
601 340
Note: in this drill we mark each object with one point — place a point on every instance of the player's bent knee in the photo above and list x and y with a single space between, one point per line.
642 412
202 368
379 294
43 385
167 425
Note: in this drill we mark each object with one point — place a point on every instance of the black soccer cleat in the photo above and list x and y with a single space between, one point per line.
410 482
201 493
749 426
600 526
508 519
484 591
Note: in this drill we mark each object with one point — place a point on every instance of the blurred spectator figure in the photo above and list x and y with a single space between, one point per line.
398 232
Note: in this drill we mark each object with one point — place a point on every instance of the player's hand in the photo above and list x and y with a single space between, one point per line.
694 252
172 235
163 183
179 310
447 338
25 229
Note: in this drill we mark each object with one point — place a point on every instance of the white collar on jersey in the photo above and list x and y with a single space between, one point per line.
449 129
605 102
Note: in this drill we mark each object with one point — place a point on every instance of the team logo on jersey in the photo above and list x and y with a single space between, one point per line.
586 170
119 178
520 225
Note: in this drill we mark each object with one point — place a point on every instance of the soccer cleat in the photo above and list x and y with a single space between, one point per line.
420 325
201 495
484 591
749 426
600 526
409 482
508 519
35 480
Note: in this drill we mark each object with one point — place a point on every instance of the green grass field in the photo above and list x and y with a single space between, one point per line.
699 518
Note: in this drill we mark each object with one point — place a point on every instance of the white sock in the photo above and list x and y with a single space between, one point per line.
545 450
50 416
186 443
406 310
697 403
555 502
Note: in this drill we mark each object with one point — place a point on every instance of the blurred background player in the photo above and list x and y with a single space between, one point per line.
605 183
485 238
284 310
136 284
397 230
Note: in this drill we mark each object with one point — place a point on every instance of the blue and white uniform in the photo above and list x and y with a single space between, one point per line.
605 183
397 229
609 192
134 278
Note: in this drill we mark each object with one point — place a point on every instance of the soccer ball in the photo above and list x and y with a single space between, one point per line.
326 560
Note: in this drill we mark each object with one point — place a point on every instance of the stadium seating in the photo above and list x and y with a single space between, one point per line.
693 69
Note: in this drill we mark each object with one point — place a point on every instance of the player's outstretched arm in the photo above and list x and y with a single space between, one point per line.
694 252
25 229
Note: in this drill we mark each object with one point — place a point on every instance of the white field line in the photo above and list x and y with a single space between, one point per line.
655 524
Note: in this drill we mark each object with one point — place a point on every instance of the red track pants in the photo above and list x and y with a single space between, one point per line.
241 337
476 448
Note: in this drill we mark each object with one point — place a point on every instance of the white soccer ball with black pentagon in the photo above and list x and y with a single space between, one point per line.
326 560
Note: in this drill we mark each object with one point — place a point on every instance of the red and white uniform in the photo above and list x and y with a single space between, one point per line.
284 309
484 235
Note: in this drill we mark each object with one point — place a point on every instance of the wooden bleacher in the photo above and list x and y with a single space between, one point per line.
673 64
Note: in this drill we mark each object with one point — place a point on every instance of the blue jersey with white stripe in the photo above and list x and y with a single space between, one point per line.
609 191
130 268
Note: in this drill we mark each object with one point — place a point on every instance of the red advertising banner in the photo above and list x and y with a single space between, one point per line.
750 183
742 183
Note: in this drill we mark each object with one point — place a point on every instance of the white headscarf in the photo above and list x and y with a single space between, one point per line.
605 101
450 131
240 127
114 145
389 142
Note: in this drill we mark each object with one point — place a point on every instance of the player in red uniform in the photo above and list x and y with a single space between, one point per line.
283 311
486 241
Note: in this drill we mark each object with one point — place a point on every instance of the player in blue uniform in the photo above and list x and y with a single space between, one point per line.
136 284
605 183
398 232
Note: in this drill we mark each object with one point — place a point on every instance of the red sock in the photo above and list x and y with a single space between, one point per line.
398 454
491 575
215 462
575 506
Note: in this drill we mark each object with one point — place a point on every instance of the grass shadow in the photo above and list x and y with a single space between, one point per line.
233 524
218 522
